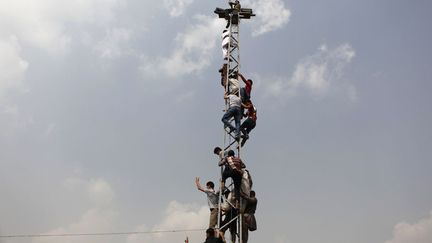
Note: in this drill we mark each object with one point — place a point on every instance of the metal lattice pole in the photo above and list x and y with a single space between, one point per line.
232 15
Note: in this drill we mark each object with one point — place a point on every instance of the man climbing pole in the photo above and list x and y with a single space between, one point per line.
225 43
249 221
214 236
245 92
250 122
234 110
212 200
233 168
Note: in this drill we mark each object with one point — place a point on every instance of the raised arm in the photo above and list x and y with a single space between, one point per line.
198 185
219 234
242 77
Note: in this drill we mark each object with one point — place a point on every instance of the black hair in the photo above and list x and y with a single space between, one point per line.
210 232
231 153
252 193
250 80
217 150
210 184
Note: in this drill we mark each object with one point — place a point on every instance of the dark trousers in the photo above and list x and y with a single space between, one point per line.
247 126
236 177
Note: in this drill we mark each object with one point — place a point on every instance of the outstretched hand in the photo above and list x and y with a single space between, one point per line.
198 185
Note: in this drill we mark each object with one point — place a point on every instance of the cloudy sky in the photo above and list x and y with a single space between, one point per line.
110 108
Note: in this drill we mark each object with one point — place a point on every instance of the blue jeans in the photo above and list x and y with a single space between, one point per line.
233 112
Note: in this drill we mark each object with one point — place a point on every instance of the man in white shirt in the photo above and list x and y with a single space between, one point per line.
234 110
212 200
225 43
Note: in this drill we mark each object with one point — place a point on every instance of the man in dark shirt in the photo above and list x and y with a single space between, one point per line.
213 236
249 221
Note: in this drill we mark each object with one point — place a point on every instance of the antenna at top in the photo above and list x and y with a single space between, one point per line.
236 11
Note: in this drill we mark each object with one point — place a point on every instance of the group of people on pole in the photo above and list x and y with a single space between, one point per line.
239 103
239 106
228 207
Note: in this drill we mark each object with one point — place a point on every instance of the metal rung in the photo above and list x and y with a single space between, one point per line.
235 218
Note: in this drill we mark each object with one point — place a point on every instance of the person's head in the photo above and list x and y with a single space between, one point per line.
217 150
252 193
210 232
210 185
231 153
250 80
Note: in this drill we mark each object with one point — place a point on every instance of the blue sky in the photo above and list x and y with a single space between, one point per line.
109 109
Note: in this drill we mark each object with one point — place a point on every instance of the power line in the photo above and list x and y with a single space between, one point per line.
99 234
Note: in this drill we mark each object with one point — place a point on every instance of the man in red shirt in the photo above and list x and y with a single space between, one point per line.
250 122
245 92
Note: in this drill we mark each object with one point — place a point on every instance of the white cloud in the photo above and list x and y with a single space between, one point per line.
420 232
100 192
12 120
12 76
194 48
187 216
177 7
177 216
93 220
193 51
101 217
42 23
115 43
13 67
270 14
104 216
317 73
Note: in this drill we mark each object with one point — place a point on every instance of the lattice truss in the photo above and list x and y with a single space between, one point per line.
232 219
